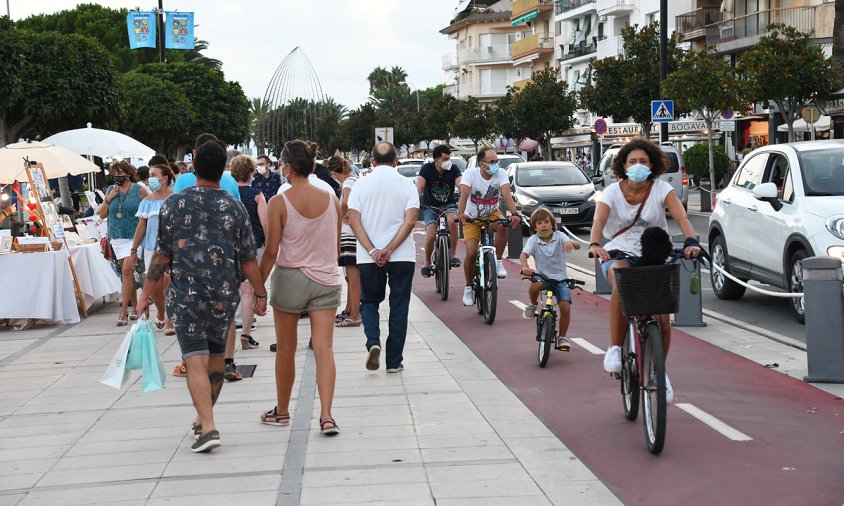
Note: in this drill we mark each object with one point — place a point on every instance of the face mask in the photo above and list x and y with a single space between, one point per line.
120 180
273 169
493 168
638 173
545 235
262 169
154 184
446 165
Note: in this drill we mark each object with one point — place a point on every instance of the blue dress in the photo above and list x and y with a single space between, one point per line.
126 204
247 196
149 209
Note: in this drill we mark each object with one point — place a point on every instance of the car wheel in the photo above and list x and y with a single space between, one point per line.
795 284
724 287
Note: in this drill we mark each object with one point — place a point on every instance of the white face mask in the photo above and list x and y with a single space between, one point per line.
446 165
262 169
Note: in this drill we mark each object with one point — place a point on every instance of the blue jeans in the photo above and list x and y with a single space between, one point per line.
373 285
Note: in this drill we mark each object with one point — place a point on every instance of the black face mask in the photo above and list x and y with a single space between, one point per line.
120 180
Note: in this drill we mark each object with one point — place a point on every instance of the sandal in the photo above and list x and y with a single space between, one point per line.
247 342
328 431
122 320
342 316
170 332
272 417
181 370
349 323
159 324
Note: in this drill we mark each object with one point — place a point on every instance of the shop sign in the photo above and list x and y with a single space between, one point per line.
832 105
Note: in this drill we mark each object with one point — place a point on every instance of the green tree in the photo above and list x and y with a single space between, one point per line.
623 86
379 78
394 101
544 107
258 109
472 121
11 66
55 95
700 157
360 128
706 84
787 69
503 115
838 39
153 111
438 113
220 107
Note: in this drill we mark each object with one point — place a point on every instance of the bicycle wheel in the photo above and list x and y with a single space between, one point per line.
629 380
443 266
547 336
653 393
435 266
491 289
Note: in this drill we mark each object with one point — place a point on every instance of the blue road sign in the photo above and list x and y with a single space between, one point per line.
600 126
662 111
728 113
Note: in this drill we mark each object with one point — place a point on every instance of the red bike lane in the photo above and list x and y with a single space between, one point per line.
796 455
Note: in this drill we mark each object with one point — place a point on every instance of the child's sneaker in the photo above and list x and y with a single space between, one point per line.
530 312
563 344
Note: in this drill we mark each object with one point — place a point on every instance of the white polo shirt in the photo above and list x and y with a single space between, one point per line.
314 180
382 198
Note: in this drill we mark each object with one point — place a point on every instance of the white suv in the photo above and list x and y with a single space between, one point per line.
784 203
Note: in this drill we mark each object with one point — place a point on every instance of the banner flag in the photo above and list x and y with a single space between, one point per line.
178 30
141 26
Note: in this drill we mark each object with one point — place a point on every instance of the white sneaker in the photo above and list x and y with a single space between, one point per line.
669 391
499 269
530 312
468 296
612 360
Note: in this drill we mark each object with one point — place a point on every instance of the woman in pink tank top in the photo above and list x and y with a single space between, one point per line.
302 247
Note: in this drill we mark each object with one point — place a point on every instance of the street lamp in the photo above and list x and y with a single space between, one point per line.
415 90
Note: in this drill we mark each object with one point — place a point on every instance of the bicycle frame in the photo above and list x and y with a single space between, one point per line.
482 249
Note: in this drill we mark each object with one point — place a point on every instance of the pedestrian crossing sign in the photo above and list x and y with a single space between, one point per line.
662 111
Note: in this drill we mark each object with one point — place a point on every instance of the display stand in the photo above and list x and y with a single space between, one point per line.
51 224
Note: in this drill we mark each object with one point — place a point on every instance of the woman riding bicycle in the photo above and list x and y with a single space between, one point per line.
625 210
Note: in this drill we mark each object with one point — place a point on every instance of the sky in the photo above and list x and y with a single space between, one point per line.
344 39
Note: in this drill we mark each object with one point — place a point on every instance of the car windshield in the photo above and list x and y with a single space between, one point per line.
459 163
823 171
409 170
504 162
550 176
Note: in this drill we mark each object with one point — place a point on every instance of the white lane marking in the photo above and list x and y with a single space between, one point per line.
519 304
586 345
714 423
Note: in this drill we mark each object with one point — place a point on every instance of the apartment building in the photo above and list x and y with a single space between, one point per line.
482 65
534 45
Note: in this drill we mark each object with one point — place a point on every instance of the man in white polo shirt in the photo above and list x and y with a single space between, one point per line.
383 207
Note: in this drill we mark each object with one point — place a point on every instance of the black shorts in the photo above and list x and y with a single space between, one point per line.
201 331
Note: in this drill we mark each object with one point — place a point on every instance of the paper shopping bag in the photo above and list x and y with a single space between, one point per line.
153 369
116 373
135 359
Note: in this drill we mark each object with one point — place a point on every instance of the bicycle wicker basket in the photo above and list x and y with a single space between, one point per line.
649 290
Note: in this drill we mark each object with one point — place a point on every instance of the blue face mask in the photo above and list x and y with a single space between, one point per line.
154 184
638 173
492 169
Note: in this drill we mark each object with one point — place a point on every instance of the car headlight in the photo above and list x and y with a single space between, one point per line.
835 224
836 252
525 200
592 199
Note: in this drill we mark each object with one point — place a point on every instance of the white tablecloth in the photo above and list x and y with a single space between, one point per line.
38 285
94 273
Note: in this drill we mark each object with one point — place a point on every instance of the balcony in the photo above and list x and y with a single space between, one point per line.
537 44
693 24
572 51
449 61
486 54
616 8
527 10
744 31
482 93
521 84
613 46
569 5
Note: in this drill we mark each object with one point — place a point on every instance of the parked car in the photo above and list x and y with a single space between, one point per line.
562 187
675 175
409 170
410 161
785 203
503 160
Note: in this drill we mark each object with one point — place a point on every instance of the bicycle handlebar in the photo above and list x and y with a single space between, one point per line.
537 277
484 220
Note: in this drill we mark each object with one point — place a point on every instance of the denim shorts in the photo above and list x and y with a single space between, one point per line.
562 293
429 216
616 256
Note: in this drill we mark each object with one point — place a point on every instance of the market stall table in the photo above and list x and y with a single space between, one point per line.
38 286
96 277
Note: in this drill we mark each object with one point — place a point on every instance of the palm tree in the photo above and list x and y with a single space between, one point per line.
195 56
394 101
398 74
258 109
378 78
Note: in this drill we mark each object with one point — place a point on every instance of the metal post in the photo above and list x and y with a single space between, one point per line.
8 10
824 303
602 285
663 60
161 28
690 313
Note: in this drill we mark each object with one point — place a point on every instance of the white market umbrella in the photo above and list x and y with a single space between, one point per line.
106 144
57 161
800 125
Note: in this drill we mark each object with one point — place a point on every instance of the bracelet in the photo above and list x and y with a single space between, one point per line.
133 250
370 251
261 296
594 244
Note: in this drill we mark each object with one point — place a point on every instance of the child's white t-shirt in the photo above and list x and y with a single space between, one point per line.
549 257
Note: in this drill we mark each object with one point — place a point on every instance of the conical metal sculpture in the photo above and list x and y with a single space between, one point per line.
291 103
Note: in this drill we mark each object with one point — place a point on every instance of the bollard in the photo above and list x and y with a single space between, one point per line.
690 312
602 285
514 241
824 303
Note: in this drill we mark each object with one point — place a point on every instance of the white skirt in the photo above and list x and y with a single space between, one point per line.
122 248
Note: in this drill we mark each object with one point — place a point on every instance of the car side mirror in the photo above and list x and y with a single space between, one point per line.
768 192
598 180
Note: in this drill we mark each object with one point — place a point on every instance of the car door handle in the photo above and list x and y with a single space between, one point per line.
753 208
725 201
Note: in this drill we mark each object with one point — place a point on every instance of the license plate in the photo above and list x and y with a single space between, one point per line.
565 210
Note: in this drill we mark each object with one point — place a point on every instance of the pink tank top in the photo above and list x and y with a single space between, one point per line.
310 244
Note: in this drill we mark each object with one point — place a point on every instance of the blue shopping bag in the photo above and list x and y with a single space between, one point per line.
143 355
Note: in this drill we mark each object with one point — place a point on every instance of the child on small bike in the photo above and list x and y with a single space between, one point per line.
548 247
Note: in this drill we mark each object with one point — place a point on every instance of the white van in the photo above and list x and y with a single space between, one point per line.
675 175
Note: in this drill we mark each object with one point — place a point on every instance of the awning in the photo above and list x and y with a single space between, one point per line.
524 18
822 125
571 141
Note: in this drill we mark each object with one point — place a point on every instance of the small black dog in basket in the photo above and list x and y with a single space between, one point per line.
656 247
651 287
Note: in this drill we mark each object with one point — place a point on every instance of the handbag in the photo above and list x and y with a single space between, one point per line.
638 212
116 373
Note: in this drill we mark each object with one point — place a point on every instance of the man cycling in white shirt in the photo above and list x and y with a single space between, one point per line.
481 190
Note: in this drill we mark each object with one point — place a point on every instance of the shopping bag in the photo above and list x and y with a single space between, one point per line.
153 369
116 373
135 358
